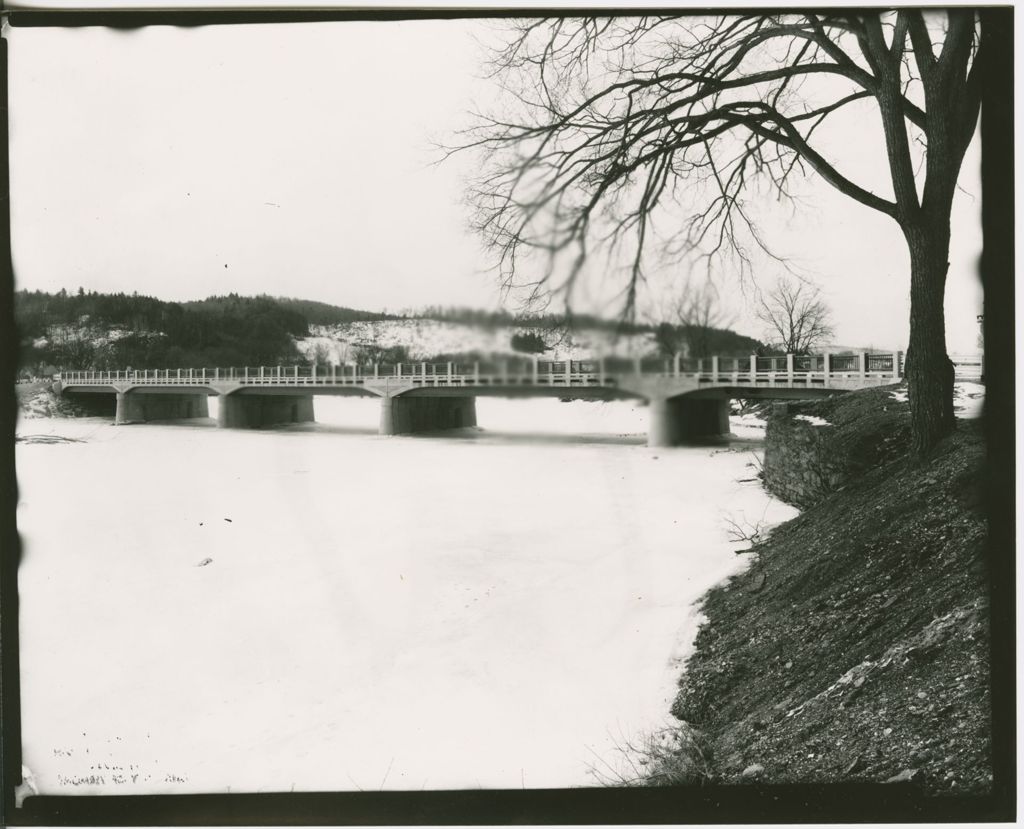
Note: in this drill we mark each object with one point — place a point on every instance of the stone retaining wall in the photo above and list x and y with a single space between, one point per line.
801 466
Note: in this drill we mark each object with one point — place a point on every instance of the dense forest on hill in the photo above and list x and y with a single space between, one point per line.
86 329
111 331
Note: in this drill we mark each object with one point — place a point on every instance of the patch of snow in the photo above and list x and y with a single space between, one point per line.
968 399
483 609
812 419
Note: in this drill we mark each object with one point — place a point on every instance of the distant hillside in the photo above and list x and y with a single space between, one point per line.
90 330
111 331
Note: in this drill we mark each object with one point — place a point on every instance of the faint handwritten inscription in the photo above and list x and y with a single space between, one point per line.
90 772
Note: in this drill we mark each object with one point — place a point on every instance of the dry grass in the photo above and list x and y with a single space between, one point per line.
672 756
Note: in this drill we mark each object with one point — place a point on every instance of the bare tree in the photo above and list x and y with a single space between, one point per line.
700 313
606 118
690 320
795 317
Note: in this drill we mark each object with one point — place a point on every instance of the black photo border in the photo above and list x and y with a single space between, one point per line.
707 804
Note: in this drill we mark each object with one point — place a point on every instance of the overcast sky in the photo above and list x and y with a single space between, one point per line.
296 160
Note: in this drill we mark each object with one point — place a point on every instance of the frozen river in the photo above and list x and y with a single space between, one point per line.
320 608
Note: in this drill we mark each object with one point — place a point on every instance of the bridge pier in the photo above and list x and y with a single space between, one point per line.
676 421
407 415
238 411
137 407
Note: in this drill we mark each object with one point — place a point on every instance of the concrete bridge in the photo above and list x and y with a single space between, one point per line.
688 399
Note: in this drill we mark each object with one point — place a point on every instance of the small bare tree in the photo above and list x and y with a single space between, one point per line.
795 316
699 311
687 324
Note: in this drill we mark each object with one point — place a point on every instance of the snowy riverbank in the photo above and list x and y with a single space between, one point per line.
321 608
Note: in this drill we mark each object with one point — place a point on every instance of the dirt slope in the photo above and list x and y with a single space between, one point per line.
856 646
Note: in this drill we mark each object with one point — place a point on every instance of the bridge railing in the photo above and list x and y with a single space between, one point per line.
771 369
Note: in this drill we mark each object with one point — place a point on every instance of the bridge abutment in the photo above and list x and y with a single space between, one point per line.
408 415
237 411
678 421
137 407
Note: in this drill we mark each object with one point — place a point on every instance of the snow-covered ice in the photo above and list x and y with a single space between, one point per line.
320 608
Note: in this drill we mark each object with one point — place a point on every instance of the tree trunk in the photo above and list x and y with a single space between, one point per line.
928 368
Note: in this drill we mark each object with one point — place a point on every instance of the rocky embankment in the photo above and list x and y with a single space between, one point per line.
855 648
38 399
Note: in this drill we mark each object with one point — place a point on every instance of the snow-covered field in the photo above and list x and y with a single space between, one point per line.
320 608
427 337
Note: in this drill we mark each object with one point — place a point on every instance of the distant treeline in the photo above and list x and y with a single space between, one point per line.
90 330
699 341
321 313
505 319
70 331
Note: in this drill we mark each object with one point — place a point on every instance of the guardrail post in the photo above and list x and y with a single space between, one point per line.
261 372
398 370
216 373
376 370
568 372
753 368
296 374
476 374
423 371
789 367
714 369
863 363
355 370
675 364
896 365
246 373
